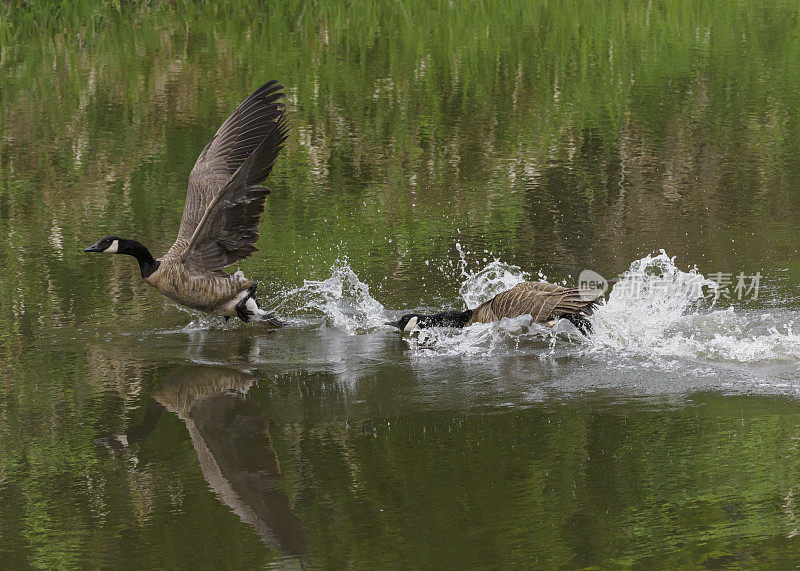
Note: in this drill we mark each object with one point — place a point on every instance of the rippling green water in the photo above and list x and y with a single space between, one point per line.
428 139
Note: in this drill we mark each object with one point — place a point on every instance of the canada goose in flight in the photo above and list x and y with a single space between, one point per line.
224 203
546 303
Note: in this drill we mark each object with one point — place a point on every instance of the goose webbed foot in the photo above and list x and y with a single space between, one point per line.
243 312
249 307
272 320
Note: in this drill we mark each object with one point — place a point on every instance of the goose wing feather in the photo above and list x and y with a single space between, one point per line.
253 121
228 230
541 300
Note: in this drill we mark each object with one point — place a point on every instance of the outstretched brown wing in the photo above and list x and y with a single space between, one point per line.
255 130
543 301
229 228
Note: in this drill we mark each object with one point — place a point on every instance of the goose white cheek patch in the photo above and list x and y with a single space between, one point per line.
113 248
412 323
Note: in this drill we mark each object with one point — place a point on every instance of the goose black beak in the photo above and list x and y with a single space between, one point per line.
92 248
393 323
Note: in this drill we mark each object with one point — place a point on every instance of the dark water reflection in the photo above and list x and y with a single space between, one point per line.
231 438
426 141
364 459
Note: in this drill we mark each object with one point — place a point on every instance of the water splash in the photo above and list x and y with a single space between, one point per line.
518 336
659 311
657 315
343 300
484 284
651 300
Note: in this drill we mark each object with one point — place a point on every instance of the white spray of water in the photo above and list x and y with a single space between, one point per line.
650 301
518 335
483 285
343 299
509 336
657 310
655 314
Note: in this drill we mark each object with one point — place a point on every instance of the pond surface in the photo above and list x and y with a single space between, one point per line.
438 154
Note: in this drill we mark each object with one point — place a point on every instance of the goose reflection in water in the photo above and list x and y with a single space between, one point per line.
231 437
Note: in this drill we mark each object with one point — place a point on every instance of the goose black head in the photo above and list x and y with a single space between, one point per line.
117 245
408 322
107 244
444 319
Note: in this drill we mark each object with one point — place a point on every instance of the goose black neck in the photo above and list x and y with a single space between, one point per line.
147 263
446 319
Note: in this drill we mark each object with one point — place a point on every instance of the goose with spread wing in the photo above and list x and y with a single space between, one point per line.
546 303
224 203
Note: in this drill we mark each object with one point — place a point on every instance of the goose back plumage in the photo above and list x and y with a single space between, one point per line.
543 301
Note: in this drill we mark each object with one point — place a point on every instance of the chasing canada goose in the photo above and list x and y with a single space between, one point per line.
546 303
224 203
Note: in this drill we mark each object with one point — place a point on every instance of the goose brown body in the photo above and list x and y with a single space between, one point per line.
205 292
543 301
224 203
